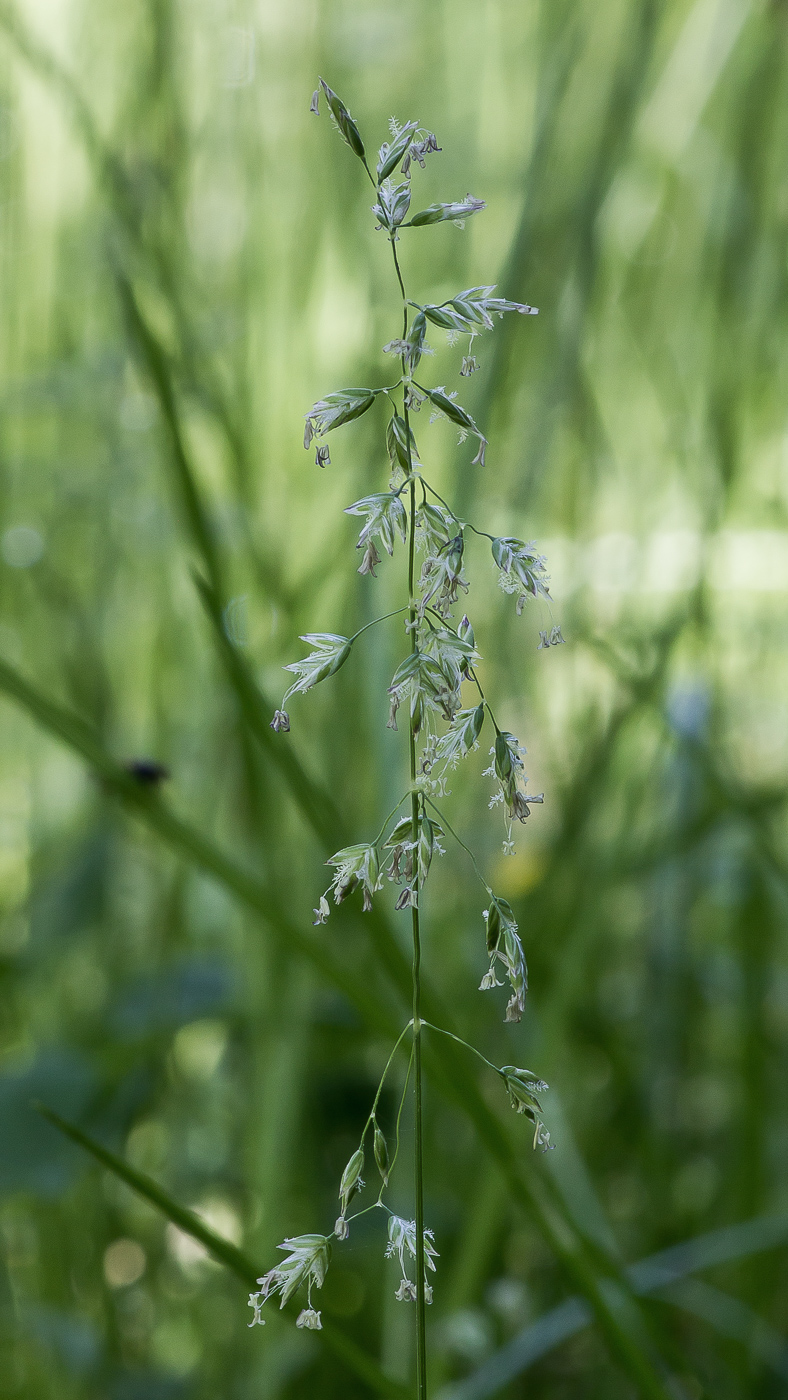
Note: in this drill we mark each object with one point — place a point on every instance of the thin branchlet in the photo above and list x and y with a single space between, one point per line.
445 720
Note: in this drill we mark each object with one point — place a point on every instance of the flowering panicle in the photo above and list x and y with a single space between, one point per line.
356 867
507 768
402 1246
444 406
444 720
385 518
306 1262
522 570
330 652
334 410
523 1087
458 212
410 860
504 946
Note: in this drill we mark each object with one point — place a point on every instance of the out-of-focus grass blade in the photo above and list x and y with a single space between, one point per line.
196 848
186 1220
732 1318
198 523
608 1295
315 803
717 1247
222 1250
663 1271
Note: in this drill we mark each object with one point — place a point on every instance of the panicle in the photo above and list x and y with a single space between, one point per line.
522 570
523 1088
351 1182
457 212
402 1246
356 867
330 652
343 120
337 408
554 639
309 1318
429 680
307 1260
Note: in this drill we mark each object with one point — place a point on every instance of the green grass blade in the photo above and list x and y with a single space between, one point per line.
664 1270
315 803
144 1185
187 841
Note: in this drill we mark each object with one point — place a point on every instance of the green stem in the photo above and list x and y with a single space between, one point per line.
421 1302
468 1046
386 822
376 1205
466 524
399 1113
460 842
375 622
383 1077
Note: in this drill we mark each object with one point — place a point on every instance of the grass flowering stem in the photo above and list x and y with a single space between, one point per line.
399 1111
379 836
383 1076
374 623
460 842
421 1302
467 1045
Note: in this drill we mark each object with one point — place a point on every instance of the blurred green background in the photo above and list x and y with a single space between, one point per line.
188 262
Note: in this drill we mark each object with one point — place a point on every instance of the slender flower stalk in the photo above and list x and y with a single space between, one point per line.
430 682
421 1297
